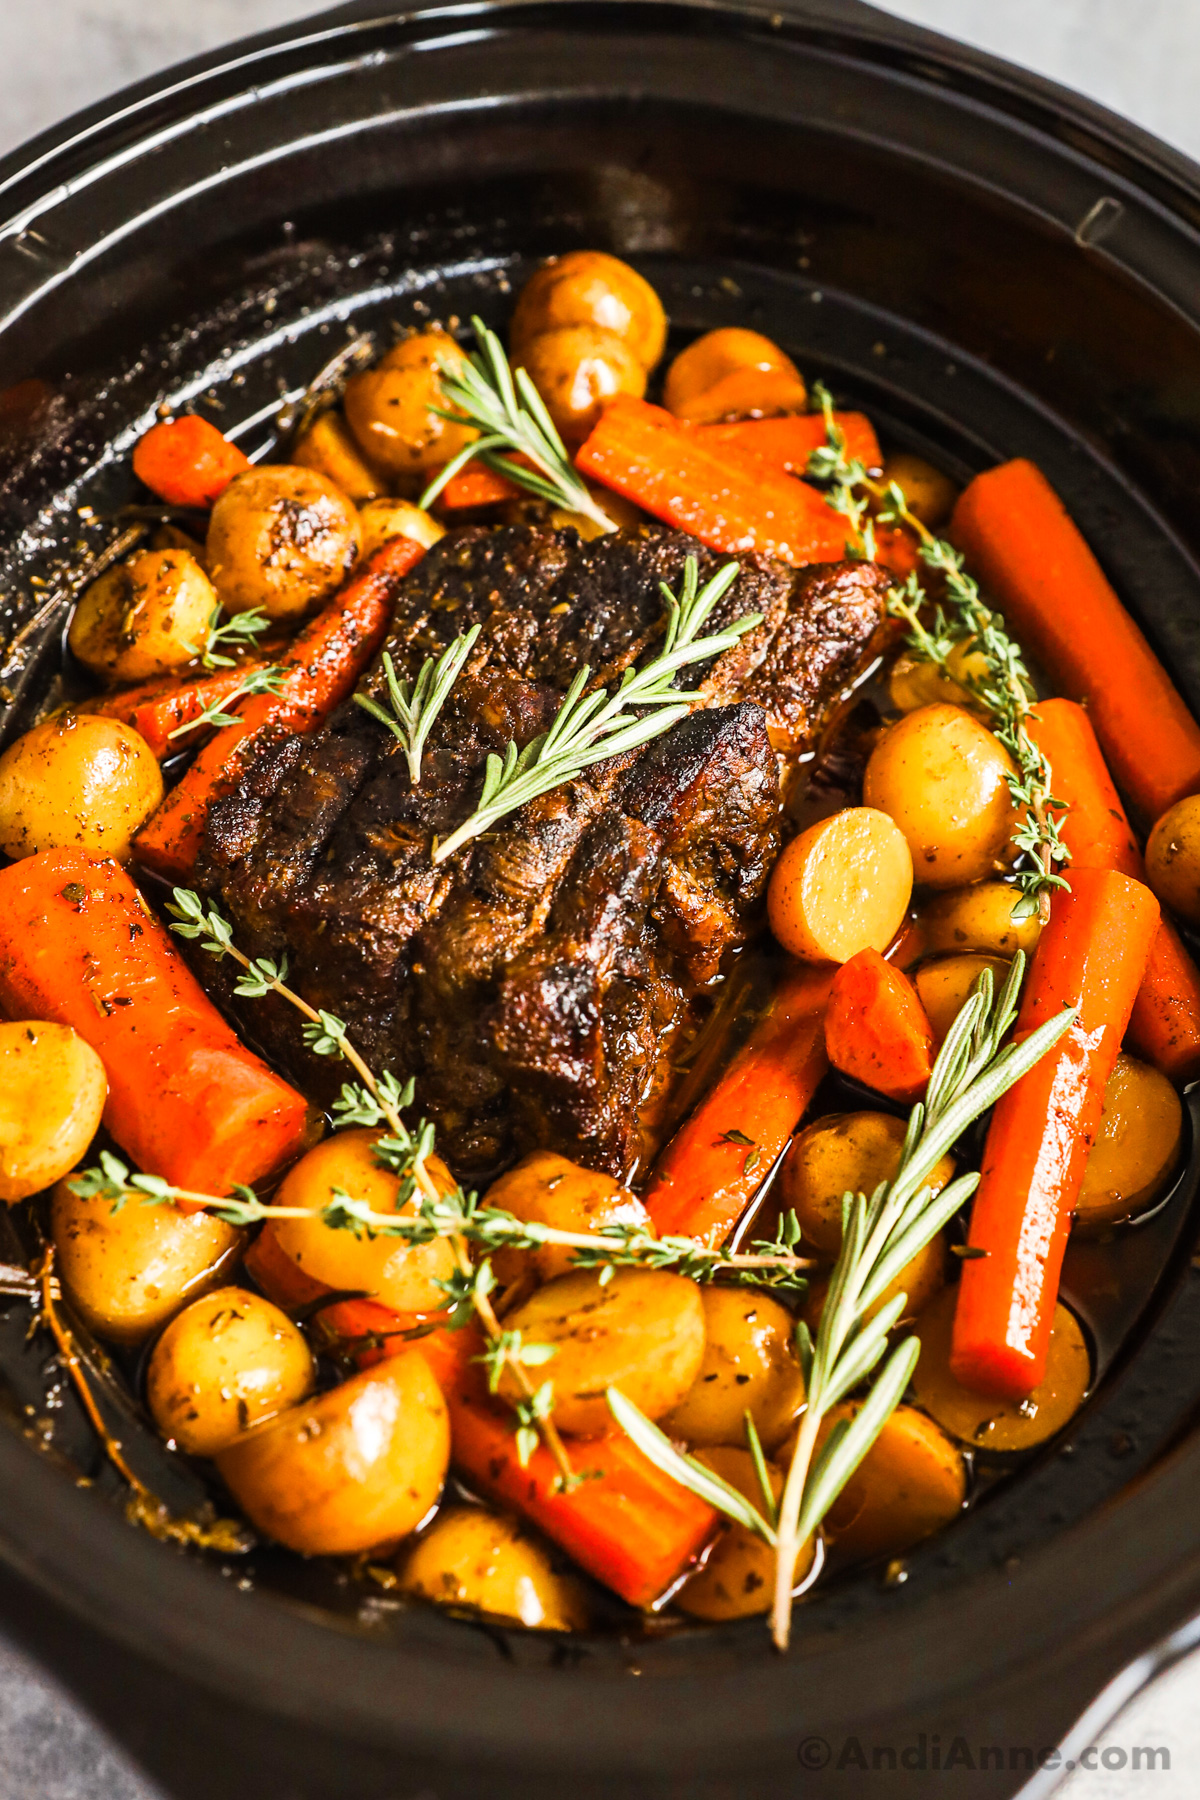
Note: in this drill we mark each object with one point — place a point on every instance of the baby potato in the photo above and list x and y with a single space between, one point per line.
1173 859
944 986
642 1331
223 1364
978 919
911 1483
282 539
471 1556
842 886
389 408
52 1093
928 494
981 1420
128 1272
144 617
384 519
350 1470
77 781
546 1188
738 1578
586 287
918 681
749 1366
711 359
921 1278
844 1153
1137 1149
942 777
328 447
577 370
401 1276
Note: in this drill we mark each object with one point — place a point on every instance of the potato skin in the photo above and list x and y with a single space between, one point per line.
842 1153
225 1363
840 887
350 1470
577 370
78 781
401 1276
920 1281
388 408
328 447
978 919
587 287
749 1366
471 1556
941 776
709 359
546 1188
911 1483
737 1580
917 681
929 495
944 985
1137 1149
384 519
642 1331
280 538
52 1093
148 616
982 1421
1173 859
128 1272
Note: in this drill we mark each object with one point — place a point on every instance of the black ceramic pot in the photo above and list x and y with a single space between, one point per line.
992 267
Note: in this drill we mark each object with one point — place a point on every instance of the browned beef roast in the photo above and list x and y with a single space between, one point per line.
533 983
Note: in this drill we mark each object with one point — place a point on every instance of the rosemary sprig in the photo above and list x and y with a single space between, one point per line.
1007 693
257 681
591 727
243 629
414 709
511 417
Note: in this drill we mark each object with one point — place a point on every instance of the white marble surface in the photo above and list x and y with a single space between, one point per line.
58 55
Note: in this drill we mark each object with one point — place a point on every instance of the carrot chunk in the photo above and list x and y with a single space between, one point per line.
876 1030
187 462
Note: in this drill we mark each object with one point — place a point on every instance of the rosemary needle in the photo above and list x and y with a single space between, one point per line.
415 708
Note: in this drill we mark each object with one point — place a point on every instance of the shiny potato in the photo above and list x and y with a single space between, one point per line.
389 408
917 681
148 616
842 886
52 1093
328 447
911 1483
577 370
282 539
128 1272
642 1332
978 919
77 781
473 1557
224 1364
920 1280
944 986
586 287
844 1153
1137 1150
546 1188
982 1420
928 494
1173 859
384 519
697 372
350 1470
750 1366
401 1276
738 1577
942 777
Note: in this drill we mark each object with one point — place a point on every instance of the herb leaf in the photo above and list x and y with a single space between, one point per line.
414 709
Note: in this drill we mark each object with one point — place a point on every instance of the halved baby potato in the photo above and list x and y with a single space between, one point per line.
738 1577
148 616
546 1189
1137 1148
944 986
843 1153
911 1483
52 1093
471 1556
842 886
750 1366
942 776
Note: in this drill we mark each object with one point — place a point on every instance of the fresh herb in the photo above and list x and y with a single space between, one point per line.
258 681
413 710
239 632
591 727
1006 693
511 417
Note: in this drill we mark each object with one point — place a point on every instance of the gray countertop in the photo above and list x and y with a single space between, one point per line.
60 55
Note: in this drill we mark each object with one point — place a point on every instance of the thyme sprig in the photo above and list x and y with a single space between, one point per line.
268 680
1006 693
414 708
241 631
588 728
511 418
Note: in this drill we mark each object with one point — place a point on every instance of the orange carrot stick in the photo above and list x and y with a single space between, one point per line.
186 1099
1165 1023
730 503
320 667
187 462
1091 955
156 709
1055 596
475 486
788 443
711 1168
876 1030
